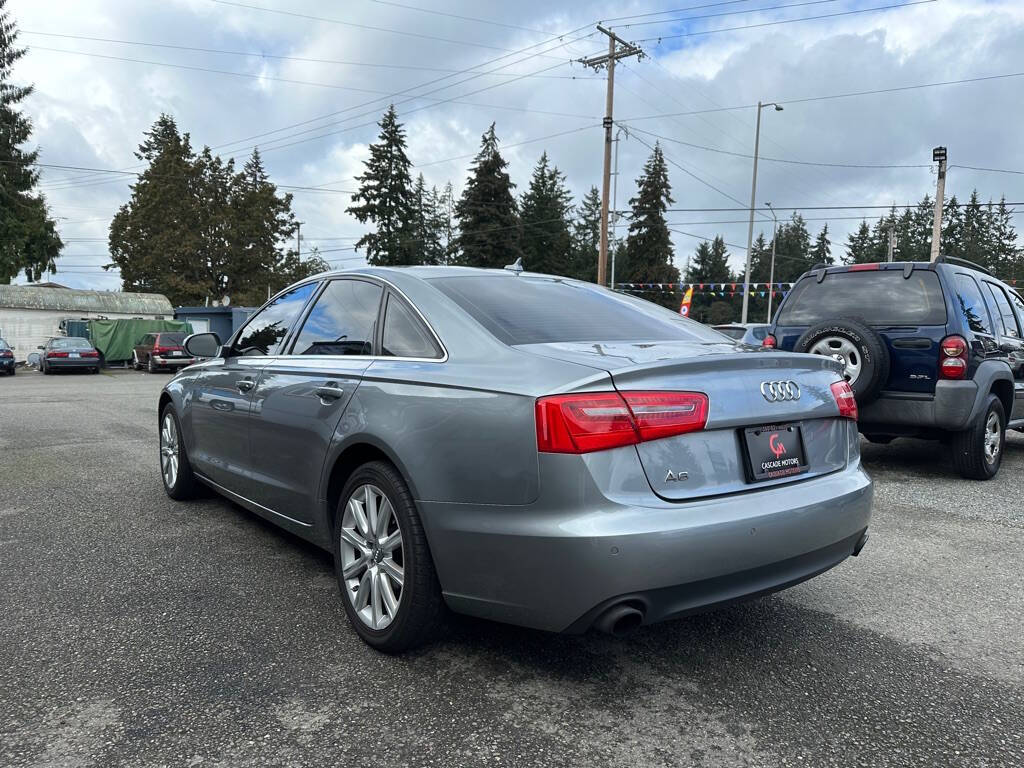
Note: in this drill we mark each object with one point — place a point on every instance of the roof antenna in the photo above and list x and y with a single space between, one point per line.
517 267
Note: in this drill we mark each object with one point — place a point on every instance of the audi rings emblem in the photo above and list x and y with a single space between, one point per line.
778 391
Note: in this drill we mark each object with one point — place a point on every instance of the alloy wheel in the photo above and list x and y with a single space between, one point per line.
169 445
993 430
841 349
372 557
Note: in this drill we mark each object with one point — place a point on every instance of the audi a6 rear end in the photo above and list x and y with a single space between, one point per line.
531 449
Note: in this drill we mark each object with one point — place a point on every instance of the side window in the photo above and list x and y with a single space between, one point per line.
263 334
343 320
1006 316
971 305
1018 305
404 335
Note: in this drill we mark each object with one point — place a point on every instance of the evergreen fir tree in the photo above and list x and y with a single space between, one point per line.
544 211
709 267
487 213
28 236
952 240
586 235
425 244
821 253
385 197
444 223
977 245
649 243
792 250
859 247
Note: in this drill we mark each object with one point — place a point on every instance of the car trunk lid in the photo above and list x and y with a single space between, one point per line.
716 460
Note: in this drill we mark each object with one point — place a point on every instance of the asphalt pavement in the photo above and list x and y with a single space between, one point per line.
137 631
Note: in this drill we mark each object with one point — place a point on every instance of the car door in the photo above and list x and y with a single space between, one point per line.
222 392
301 395
141 351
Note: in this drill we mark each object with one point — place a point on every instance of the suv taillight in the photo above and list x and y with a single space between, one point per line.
952 358
596 421
769 342
845 399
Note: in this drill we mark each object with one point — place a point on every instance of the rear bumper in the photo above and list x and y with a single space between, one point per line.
67 364
950 409
173 362
557 569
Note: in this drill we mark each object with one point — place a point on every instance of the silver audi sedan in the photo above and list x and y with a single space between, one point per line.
519 447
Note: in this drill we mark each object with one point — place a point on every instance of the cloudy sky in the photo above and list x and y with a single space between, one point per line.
305 81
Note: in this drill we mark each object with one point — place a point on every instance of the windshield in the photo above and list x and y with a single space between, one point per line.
71 342
882 297
539 310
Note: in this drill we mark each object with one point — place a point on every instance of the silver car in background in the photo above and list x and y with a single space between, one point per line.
519 447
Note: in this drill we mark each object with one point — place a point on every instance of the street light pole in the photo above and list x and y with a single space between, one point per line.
771 274
753 197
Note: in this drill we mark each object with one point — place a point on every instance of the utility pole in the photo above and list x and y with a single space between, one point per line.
753 197
892 241
298 239
771 274
615 200
939 156
597 62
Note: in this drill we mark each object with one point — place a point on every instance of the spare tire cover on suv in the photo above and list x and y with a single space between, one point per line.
853 343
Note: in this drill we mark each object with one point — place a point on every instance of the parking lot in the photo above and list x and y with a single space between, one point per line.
142 632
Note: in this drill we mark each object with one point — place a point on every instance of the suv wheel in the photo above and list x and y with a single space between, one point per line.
978 450
857 347
384 569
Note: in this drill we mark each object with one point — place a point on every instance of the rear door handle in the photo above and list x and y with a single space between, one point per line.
244 385
329 392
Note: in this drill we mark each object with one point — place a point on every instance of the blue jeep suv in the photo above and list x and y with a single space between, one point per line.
931 350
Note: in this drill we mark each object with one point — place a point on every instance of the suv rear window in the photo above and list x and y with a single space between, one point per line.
539 310
169 339
882 297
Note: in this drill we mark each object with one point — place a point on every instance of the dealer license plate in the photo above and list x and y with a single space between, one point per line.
775 450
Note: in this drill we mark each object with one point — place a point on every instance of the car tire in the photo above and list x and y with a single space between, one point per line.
149 365
361 557
978 450
44 369
136 365
862 350
180 484
880 439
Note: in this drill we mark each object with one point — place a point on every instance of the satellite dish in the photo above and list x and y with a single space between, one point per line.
226 301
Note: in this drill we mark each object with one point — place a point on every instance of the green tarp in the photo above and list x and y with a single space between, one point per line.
117 338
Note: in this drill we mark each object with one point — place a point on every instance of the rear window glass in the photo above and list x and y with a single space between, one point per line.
732 333
882 297
70 342
537 310
172 338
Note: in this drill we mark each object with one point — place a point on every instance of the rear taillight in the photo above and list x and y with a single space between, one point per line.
56 354
161 350
596 421
769 342
953 357
90 353
845 399
6 353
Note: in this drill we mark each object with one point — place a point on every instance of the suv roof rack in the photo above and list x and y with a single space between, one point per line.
963 263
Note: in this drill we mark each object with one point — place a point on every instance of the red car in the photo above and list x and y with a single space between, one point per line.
161 350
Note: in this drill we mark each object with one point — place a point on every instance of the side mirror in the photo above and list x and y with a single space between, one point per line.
202 344
40 347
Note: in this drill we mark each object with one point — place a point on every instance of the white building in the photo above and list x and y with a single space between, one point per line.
31 314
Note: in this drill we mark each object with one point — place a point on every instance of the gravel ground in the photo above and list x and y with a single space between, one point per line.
142 632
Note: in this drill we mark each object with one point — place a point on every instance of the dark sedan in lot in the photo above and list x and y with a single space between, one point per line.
6 358
519 447
69 353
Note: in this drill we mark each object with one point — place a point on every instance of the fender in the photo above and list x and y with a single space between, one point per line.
989 372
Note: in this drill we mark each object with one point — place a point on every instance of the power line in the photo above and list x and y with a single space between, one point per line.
260 54
677 20
778 159
355 25
828 97
660 38
290 81
675 10
458 16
